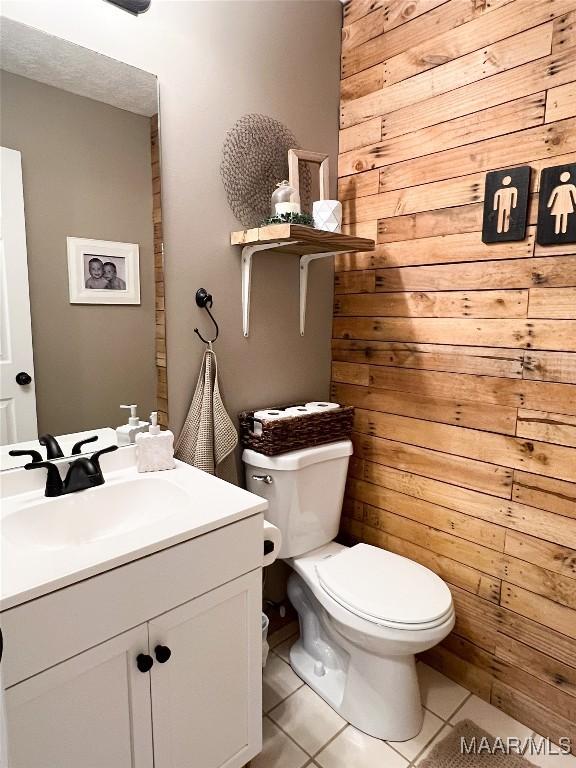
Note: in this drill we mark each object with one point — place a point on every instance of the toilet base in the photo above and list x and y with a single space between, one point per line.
379 695
329 685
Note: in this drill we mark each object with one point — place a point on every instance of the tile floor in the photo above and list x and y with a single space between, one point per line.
300 729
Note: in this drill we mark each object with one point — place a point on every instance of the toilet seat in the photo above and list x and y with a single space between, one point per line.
384 588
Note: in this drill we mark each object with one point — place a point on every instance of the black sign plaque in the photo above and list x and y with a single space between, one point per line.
506 205
557 205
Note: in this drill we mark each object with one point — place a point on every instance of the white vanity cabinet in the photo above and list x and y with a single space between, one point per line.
203 697
92 710
71 703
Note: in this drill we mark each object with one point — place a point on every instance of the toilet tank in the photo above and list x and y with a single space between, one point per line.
304 489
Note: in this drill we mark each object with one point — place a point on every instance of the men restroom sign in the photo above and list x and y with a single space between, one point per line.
557 205
506 205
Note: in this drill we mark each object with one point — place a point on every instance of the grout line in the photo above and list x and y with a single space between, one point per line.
445 720
273 650
323 747
283 700
300 747
444 723
292 738
391 745
458 708
302 684
271 638
429 743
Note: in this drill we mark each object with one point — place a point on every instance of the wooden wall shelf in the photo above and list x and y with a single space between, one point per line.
294 239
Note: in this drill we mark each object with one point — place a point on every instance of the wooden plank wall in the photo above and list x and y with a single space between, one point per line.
161 368
460 357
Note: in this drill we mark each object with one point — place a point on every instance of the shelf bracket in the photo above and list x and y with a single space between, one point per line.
304 262
247 252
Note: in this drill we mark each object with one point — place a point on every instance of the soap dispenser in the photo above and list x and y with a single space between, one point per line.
155 449
126 434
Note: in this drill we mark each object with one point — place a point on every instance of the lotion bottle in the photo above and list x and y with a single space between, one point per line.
155 449
126 434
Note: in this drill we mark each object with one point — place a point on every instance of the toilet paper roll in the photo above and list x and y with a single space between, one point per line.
298 410
270 414
274 535
317 407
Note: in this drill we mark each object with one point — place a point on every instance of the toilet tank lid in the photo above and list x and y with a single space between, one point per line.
298 459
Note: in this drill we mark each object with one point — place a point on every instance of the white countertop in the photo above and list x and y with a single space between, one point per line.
29 570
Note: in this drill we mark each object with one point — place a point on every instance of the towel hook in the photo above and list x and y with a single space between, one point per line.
204 300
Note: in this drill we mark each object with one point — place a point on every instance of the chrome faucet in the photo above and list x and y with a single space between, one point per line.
82 473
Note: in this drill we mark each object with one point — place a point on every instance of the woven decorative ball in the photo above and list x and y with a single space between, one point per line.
254 160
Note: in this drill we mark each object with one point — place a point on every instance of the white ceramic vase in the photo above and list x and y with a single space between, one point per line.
327 215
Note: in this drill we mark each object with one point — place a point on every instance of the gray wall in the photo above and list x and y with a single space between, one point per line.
86 173
217 61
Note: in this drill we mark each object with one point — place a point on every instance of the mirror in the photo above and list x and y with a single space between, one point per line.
81 228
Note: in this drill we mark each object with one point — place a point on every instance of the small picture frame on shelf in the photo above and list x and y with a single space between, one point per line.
103 271
317 158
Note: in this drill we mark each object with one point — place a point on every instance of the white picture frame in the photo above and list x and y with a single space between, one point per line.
103 271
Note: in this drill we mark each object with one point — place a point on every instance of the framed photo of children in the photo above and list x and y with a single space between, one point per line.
103 272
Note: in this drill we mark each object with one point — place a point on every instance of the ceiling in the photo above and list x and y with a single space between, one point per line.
28 52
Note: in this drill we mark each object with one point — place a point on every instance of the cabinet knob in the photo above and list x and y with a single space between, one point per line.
144 662
162 653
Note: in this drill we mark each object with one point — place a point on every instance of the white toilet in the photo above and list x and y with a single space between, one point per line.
364 612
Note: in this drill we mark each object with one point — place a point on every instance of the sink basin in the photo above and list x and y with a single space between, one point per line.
95 514
47 544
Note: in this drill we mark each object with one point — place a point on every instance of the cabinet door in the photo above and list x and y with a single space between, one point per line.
91 711
206 699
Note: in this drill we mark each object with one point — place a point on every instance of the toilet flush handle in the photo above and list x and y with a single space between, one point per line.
263 479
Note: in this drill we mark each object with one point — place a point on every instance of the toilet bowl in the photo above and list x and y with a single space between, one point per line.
363 664
363 611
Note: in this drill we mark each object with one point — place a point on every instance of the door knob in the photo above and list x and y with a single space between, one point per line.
23 378
162 653
144 662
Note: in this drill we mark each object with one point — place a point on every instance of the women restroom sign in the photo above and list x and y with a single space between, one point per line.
506 205
557 205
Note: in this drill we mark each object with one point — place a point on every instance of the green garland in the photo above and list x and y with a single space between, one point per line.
290 218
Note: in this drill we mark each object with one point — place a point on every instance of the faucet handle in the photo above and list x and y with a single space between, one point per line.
77 448
54 484
95 458
36 456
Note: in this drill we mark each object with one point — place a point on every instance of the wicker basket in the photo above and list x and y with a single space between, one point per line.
297 432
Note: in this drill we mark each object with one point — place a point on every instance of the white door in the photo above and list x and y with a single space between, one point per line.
92 711
17 398
207 697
